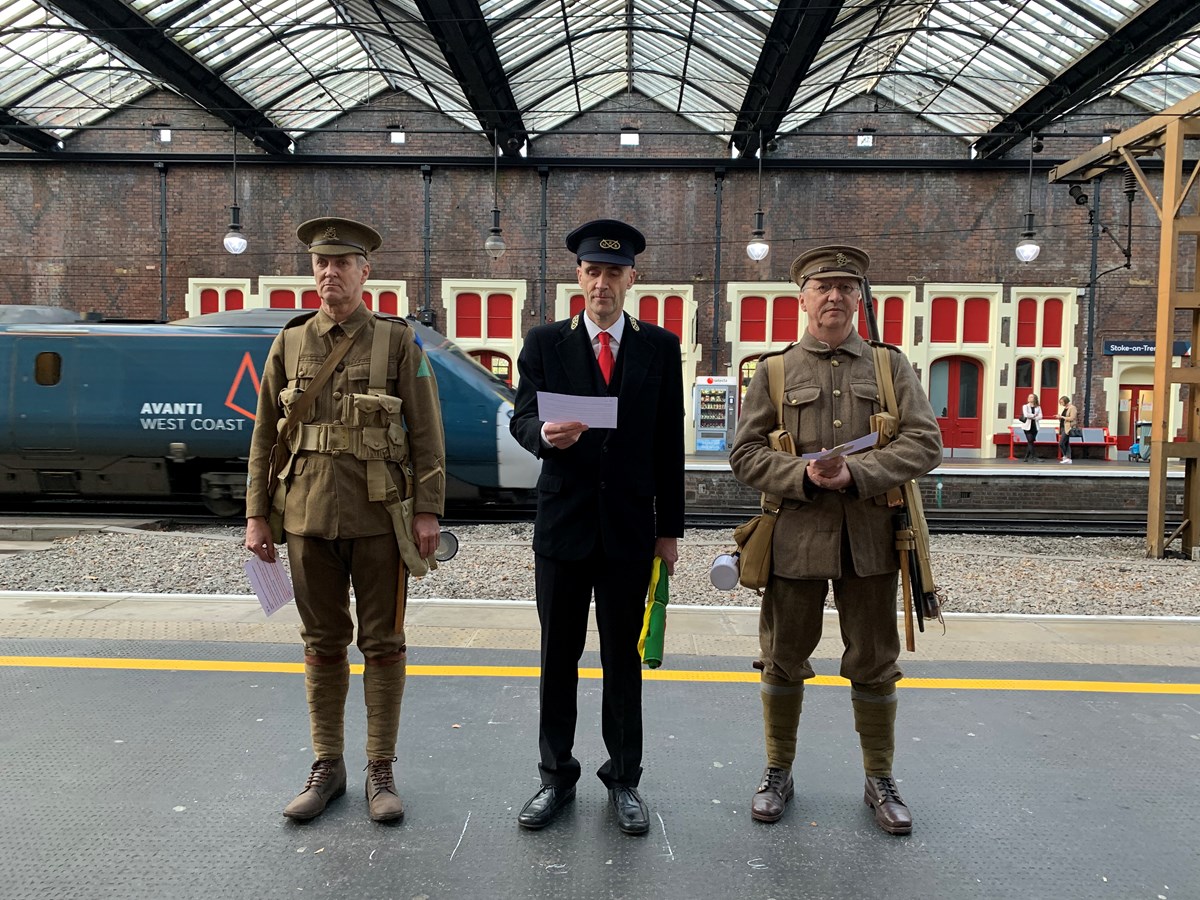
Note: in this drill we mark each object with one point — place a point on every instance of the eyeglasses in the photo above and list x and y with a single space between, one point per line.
825 288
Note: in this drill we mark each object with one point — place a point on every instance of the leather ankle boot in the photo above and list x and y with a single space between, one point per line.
891 812
326 781
382 799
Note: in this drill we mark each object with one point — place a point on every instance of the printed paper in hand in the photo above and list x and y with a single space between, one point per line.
862 443
271 583
594 412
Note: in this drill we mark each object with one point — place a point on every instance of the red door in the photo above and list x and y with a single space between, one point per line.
1130 411
956 393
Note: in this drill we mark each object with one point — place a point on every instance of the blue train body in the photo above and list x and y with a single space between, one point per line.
109 410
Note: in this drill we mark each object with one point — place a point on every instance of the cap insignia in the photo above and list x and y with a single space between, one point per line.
610 244
841 259
575 321
330 233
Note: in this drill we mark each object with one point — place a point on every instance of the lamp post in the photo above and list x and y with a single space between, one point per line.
1027 249
234 241
494 245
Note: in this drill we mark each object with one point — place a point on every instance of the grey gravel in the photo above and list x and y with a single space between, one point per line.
981 574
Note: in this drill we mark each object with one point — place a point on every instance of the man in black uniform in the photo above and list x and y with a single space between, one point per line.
609 501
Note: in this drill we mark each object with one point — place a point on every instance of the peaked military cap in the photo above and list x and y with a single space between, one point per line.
331 236
606 241
839 260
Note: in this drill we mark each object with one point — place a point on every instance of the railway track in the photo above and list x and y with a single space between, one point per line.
1084 523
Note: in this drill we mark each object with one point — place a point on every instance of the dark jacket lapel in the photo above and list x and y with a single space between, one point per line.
578 361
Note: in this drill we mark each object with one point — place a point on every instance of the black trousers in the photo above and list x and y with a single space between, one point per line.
1030 449
564 591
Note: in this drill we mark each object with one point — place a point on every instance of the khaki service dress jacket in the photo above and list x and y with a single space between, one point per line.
829 397
327 495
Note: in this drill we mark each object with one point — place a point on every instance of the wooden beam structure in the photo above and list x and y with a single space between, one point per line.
1167 132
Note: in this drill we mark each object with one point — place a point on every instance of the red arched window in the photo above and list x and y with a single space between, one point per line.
1052 322
235 299
1027 322
369 299
210 301
1050 382
648 309
673 316
944 327
576 305
469 316
389 303
282 298
753 313
499 316
310 299
1022 384
893 320
496 363
785 319
976 314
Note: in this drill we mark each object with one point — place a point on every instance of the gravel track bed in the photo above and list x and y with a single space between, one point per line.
982 574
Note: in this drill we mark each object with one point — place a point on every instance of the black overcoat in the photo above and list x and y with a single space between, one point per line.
620 487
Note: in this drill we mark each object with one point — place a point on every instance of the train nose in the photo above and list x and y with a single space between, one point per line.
519 469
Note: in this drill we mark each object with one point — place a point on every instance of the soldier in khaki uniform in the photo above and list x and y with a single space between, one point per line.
834 526
362 492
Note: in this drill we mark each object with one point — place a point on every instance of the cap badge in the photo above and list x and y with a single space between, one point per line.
841 259
609 244
330 234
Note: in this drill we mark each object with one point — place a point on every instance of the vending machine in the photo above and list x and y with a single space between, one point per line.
715 401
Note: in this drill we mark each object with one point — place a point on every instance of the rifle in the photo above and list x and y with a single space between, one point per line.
922 597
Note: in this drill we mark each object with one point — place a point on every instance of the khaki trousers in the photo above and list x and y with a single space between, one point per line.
789 626
322 573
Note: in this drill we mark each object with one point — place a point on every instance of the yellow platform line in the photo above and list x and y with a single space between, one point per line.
293 668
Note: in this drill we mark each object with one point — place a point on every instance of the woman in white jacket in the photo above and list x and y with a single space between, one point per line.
1031 414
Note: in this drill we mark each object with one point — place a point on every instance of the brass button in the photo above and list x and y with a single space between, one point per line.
836 363
837 423
340 367
338 422
337 395
335 452
837 393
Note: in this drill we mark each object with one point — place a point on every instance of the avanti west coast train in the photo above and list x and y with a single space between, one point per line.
94 410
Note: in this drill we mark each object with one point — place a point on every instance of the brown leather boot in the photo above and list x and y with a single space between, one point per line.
891 813
326 781
382 799
772 795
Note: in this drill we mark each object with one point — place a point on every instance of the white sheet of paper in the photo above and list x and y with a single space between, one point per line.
270 582
863 443
594 412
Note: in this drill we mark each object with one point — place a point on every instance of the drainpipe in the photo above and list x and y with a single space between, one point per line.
544 176
162 240
716 325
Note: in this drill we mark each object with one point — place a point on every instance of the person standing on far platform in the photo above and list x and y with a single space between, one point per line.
1031 414
365 485
609 501
1067 414
834 525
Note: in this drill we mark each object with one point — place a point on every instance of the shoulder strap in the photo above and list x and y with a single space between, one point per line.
883 379
775 383
379 356
291 357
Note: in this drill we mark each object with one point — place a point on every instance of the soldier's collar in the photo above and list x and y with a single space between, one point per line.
853 345
357 319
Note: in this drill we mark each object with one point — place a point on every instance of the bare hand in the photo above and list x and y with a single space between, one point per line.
830 474
426 533
668 549
563 434
258 538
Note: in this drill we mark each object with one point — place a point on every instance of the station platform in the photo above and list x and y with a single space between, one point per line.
150 743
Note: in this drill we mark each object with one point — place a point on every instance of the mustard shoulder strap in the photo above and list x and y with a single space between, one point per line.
775 383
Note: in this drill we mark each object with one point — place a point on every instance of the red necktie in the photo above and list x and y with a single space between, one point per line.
605 358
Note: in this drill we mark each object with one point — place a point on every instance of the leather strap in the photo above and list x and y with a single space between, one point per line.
281 453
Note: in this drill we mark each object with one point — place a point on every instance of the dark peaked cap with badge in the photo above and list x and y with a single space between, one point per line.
331 236
606 241
839 260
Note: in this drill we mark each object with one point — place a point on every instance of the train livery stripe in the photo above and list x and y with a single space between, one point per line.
944 684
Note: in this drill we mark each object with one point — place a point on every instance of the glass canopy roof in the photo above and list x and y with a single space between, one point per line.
963 65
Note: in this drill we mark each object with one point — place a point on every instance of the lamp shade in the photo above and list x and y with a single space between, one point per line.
1028 250
235 242
757 249
494 245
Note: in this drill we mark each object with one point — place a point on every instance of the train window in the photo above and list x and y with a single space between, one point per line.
47 368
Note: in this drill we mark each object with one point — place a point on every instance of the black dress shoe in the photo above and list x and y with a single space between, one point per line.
544 806
632 815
